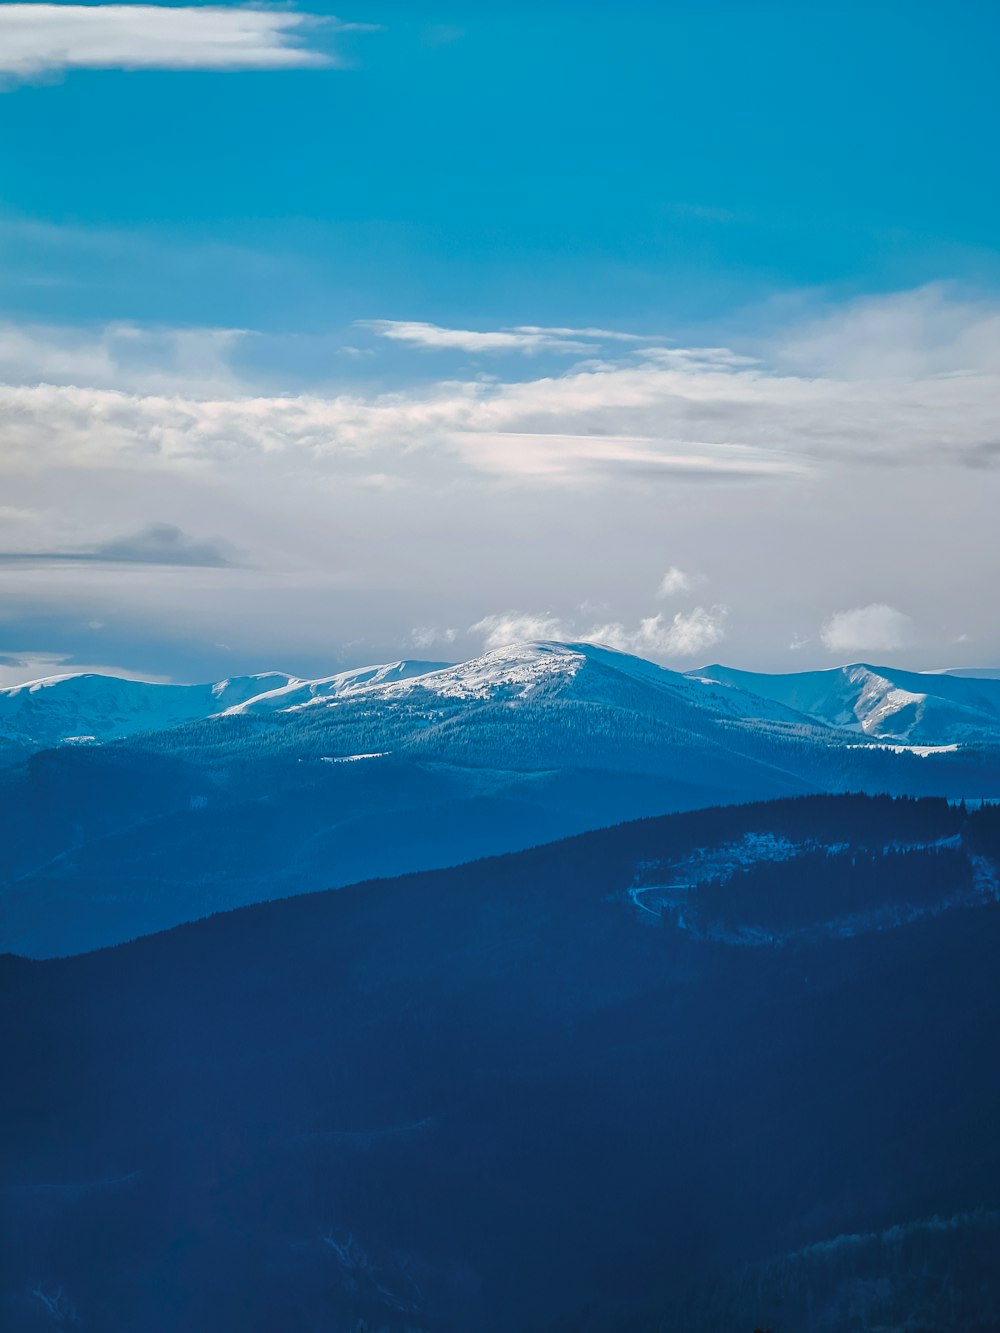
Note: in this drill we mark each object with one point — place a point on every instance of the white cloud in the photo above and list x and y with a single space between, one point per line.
39 39
438 339
702 414
475 424
526 338
912 335
600 335
507 627
874 628
582 457
426 636
674 582
682 635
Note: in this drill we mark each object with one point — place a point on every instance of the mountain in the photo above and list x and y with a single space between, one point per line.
87 708
308 785
879 703
731 1069
882 703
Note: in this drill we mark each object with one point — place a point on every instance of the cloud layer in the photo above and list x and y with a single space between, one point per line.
796 480
650 411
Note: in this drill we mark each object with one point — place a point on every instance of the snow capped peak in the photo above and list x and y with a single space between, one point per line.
534 667
874 703
515 670
887 703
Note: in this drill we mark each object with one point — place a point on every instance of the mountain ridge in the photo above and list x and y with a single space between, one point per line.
883 703
872 702
394 768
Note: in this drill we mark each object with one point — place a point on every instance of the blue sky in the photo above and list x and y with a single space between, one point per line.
811 188
527 163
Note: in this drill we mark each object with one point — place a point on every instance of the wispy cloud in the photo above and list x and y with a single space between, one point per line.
43 39
599 335
504 627
126 356
528 339
426 636
682 635
434 338
876 628
704 415
921 334
674 582
685 634
585 457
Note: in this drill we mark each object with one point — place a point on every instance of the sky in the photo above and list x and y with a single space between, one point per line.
409 330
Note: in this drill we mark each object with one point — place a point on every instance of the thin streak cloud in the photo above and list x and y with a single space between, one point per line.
44 39
433 337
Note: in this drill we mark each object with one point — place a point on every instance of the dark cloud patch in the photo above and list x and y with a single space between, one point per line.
984 455
157 544
164 544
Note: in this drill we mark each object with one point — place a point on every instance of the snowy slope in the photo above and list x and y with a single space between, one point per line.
541 706
87 708
917 708
542 671
81 708
295 693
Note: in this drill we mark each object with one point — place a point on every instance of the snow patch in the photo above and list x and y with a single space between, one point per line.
351 758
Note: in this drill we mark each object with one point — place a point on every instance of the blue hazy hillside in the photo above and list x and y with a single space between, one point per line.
409 766
729 1069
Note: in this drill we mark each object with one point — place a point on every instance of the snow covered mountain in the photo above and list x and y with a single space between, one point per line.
81 709
75 709
865 702
881 703
88 708
192 799
541 671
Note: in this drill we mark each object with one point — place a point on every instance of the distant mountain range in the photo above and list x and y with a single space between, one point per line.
881 703
727 1070
133 806
87 708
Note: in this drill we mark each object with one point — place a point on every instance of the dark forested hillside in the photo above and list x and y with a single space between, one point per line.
730 1069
